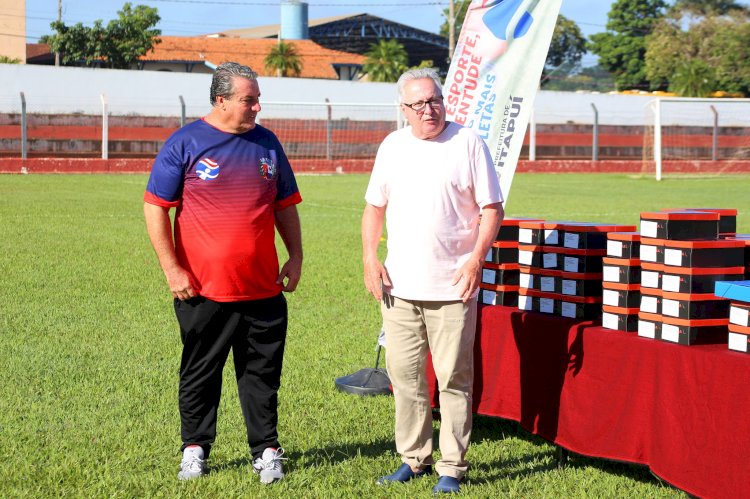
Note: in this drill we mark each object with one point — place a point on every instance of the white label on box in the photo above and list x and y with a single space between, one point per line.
649 304
738 342
670 283
489 297
549 260
525 236
571 264
670 307
673 257
526 280
569 287
547 305
525 303
610 321
489 276
648 253
568 310
649 279
550 236
525 257
571 240
614 248
646 329
610 274
670 332
488 258
547 284
610 297
738 316
648 228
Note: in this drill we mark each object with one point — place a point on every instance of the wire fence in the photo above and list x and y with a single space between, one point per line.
329 131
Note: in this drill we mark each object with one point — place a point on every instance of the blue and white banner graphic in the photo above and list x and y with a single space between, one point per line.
494 75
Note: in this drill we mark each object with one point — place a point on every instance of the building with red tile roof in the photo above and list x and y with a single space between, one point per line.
203 54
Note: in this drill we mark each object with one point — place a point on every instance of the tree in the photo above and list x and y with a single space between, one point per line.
708 7
284 60
427 63
693 78
714 48
459 10
621 49
566 49
591 78
119 45
4 59
385 61
132 35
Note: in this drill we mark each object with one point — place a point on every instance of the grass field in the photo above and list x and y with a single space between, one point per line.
90 350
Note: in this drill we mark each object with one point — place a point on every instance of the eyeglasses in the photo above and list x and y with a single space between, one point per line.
420 106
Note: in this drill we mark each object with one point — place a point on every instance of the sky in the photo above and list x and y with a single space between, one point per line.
197 17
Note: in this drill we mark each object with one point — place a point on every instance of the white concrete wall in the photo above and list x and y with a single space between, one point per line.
153 93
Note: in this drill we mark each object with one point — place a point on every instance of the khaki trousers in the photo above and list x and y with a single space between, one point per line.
447 329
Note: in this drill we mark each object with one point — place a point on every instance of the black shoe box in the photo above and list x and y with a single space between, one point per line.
498 295
697 280
619 318
694 306
624 245
719 253
619 295
506 274
680 225
621 270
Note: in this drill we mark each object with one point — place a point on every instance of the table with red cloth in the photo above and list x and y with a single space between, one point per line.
684 411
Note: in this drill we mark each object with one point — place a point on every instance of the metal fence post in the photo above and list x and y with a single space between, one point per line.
595 143
532 136
182 112
329 131
105 127
24 145
657 137
715 141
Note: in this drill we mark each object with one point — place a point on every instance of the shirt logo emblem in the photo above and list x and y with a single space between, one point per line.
267 168
207 169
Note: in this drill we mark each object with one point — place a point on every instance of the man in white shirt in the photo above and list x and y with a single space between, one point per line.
431 182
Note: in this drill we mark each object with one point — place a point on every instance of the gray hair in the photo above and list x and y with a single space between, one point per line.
221 84
418 74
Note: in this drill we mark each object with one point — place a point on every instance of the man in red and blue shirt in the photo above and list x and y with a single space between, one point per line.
231 184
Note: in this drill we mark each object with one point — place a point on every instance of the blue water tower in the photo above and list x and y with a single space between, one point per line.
294 20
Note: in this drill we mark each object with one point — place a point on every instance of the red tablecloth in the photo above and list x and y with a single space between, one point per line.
683 411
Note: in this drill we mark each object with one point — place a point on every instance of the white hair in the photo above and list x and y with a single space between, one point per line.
418 74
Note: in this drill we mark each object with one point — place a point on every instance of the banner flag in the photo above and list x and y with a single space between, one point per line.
494 75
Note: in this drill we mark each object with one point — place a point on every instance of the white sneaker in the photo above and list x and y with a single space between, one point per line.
268 466
193 465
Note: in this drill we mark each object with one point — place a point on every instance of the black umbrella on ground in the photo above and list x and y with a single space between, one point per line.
367 381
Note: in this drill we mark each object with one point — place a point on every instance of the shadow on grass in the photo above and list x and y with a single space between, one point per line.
324 456
481 473
498 429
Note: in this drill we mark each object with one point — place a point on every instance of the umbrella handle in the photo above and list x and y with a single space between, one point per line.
377 358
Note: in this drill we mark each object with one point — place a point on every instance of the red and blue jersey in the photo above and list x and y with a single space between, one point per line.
226 188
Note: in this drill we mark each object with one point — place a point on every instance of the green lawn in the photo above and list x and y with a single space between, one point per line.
90 350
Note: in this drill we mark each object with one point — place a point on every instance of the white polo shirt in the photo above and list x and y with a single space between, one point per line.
433 191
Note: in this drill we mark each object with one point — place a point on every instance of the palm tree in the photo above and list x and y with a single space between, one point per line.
386 60
284 60
693 78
